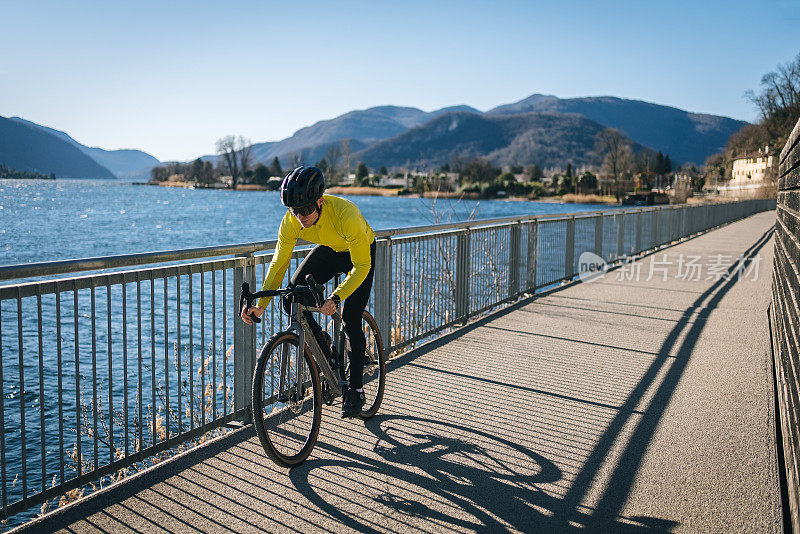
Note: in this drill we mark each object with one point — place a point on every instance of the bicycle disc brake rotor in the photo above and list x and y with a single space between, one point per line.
327 395
370 365
295 401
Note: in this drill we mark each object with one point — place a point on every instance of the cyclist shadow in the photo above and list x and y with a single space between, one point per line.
444 474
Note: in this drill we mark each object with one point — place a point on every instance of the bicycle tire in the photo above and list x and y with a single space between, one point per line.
374 366
285 423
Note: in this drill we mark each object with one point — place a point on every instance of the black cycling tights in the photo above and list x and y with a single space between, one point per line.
323 263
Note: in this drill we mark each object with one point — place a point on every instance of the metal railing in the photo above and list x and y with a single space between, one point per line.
101 371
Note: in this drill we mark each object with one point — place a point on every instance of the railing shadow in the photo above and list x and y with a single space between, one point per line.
621 481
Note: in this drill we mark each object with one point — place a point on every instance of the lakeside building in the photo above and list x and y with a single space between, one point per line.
753 175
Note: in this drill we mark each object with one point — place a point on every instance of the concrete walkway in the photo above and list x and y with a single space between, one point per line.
619 405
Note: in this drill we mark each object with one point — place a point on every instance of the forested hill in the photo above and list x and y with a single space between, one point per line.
684 136
379 131
28 148
544 139
360 127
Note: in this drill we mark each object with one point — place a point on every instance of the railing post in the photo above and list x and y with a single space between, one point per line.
620 234
654 228
673 225
638 241
462 275
383 289
533 231
243 335
569 250
685 222
598 234
514 254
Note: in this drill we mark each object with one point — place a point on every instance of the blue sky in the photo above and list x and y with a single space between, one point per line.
171 78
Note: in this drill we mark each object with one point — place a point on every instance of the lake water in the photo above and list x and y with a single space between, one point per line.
67 219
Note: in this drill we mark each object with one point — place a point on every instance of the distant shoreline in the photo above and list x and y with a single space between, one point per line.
384 192
394 192
26 178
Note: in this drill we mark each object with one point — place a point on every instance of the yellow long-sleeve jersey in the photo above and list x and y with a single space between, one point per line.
341 227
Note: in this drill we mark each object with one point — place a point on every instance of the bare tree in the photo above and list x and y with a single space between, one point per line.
236 155
245 155
644 164
617 154
296 159
332 156
779 99
345 148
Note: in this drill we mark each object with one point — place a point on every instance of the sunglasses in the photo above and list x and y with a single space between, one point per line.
305 210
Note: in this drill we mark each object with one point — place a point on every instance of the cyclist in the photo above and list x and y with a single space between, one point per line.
345 244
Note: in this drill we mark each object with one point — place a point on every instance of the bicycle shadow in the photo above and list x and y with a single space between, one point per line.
452 476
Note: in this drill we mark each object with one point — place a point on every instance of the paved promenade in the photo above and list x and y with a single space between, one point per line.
619 405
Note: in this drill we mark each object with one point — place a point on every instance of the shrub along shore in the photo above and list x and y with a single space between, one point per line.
397 191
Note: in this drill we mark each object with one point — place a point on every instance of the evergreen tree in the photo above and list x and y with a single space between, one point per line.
322 165
261 174
535 174
383 171
569 170
275 167
565 185
361 171
195 170
587 182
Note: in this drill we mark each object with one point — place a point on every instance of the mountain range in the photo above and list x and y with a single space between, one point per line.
362 128
540 129
686 137
124 163
29 148
546 139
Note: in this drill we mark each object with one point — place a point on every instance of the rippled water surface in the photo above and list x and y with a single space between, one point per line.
65 219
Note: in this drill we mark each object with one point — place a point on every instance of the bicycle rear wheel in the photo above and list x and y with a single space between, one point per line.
286 407
374 367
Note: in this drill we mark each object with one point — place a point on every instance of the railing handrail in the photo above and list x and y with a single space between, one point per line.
31 270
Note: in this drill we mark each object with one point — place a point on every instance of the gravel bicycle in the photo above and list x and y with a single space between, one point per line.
288 390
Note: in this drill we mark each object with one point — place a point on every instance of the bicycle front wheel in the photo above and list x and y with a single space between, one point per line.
286 400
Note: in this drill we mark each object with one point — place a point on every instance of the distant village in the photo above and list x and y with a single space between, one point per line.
640 183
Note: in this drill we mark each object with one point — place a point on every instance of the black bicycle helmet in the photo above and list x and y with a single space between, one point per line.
302 186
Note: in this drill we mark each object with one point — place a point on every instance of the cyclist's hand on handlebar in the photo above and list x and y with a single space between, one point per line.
328 307
257 310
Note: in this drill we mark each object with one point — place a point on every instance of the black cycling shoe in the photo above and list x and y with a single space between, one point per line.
353 402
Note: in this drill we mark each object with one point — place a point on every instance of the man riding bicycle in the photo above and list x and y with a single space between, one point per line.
345 244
